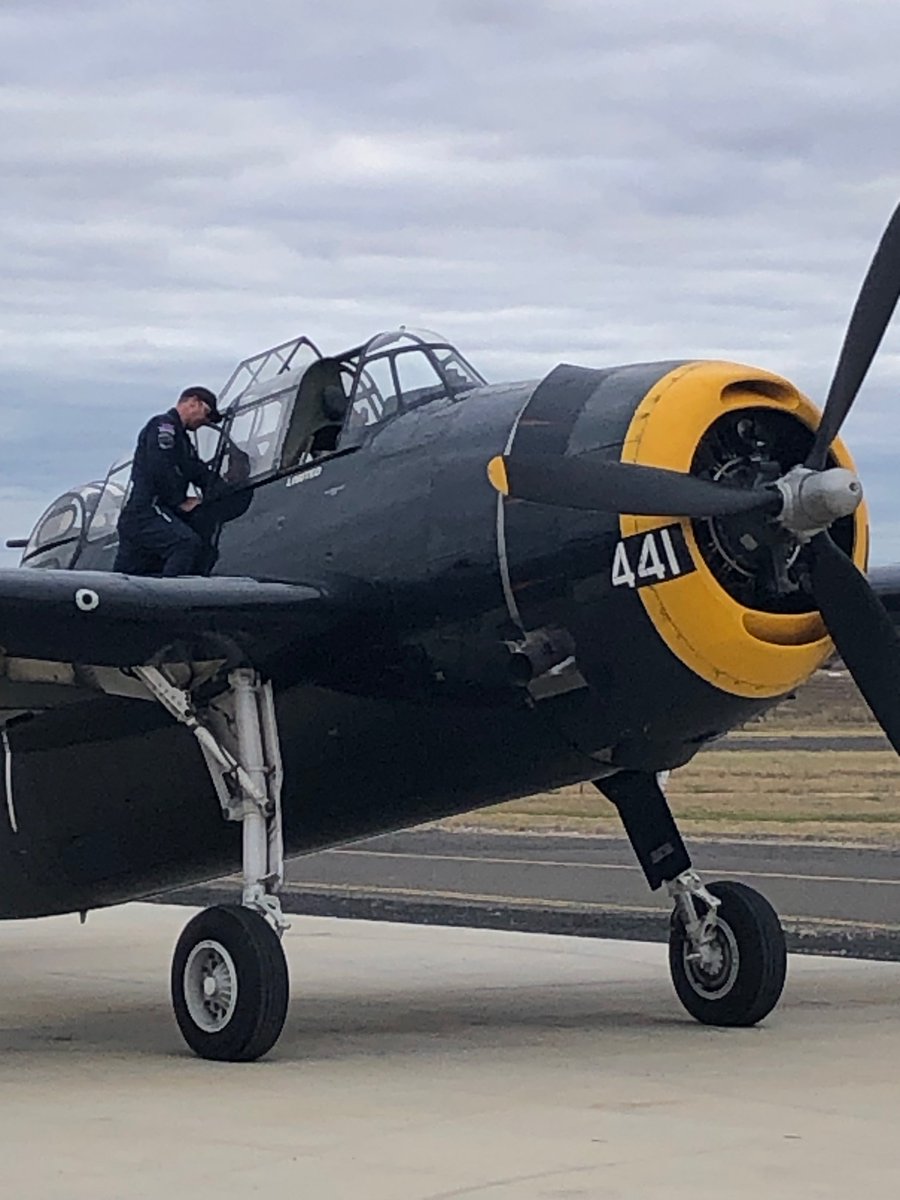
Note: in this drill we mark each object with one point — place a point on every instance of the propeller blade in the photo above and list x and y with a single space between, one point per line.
871 314
861 630
604 485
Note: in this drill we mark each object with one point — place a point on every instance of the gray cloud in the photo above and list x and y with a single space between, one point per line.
184 185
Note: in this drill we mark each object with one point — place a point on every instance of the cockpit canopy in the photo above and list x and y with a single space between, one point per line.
292 404
283 408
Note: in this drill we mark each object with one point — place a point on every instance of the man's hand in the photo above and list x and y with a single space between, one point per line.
190 504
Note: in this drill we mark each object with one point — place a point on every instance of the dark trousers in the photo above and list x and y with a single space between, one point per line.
154 541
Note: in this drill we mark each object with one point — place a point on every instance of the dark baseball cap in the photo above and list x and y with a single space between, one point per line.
208 397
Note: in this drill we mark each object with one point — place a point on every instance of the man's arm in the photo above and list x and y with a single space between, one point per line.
169 483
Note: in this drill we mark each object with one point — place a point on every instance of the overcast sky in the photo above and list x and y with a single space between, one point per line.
186 182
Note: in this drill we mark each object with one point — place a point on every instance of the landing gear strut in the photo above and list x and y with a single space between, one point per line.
727 952
230 986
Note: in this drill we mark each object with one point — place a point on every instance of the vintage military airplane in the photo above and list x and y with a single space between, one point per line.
425 593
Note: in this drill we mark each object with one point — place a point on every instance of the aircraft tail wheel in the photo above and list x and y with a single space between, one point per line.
230 984
738 977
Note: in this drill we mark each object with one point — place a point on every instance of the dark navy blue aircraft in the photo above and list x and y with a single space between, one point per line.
425 593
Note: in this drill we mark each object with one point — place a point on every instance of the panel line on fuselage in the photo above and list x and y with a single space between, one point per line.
511 605
7 781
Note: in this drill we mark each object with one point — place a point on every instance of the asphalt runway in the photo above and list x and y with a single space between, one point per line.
800 741
831 899
437 1064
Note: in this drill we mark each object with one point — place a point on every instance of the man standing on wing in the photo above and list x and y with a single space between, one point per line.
154 535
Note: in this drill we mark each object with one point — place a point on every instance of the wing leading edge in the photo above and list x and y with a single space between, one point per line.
103 619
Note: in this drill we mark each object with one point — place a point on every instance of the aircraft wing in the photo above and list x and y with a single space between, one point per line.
107 620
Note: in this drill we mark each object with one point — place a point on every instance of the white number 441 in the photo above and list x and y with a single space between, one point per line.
647 558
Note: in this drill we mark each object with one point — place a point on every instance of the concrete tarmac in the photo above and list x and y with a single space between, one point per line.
430 1064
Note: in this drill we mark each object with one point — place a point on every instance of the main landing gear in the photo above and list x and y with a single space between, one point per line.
230 986
727 952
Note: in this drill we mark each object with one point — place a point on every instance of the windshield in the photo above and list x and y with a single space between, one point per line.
403 369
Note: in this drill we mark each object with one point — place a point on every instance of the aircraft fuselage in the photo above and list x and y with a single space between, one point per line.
505 648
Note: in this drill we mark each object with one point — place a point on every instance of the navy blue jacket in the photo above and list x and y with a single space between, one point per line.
165 462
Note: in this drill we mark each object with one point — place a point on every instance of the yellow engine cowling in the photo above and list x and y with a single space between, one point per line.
739 650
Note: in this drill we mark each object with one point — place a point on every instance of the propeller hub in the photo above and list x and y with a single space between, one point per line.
814 500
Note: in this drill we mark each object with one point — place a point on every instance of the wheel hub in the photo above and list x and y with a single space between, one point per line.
210 986
713 973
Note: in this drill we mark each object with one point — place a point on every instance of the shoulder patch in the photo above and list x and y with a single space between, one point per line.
165 435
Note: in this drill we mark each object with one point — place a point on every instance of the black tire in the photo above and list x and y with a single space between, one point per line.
240 954
747 980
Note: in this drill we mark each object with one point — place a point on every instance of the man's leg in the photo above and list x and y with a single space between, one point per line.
184 551
173 544
133 559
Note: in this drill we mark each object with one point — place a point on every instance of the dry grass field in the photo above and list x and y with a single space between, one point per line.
847 795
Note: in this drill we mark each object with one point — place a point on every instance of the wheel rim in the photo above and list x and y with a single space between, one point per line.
210 986
713 976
